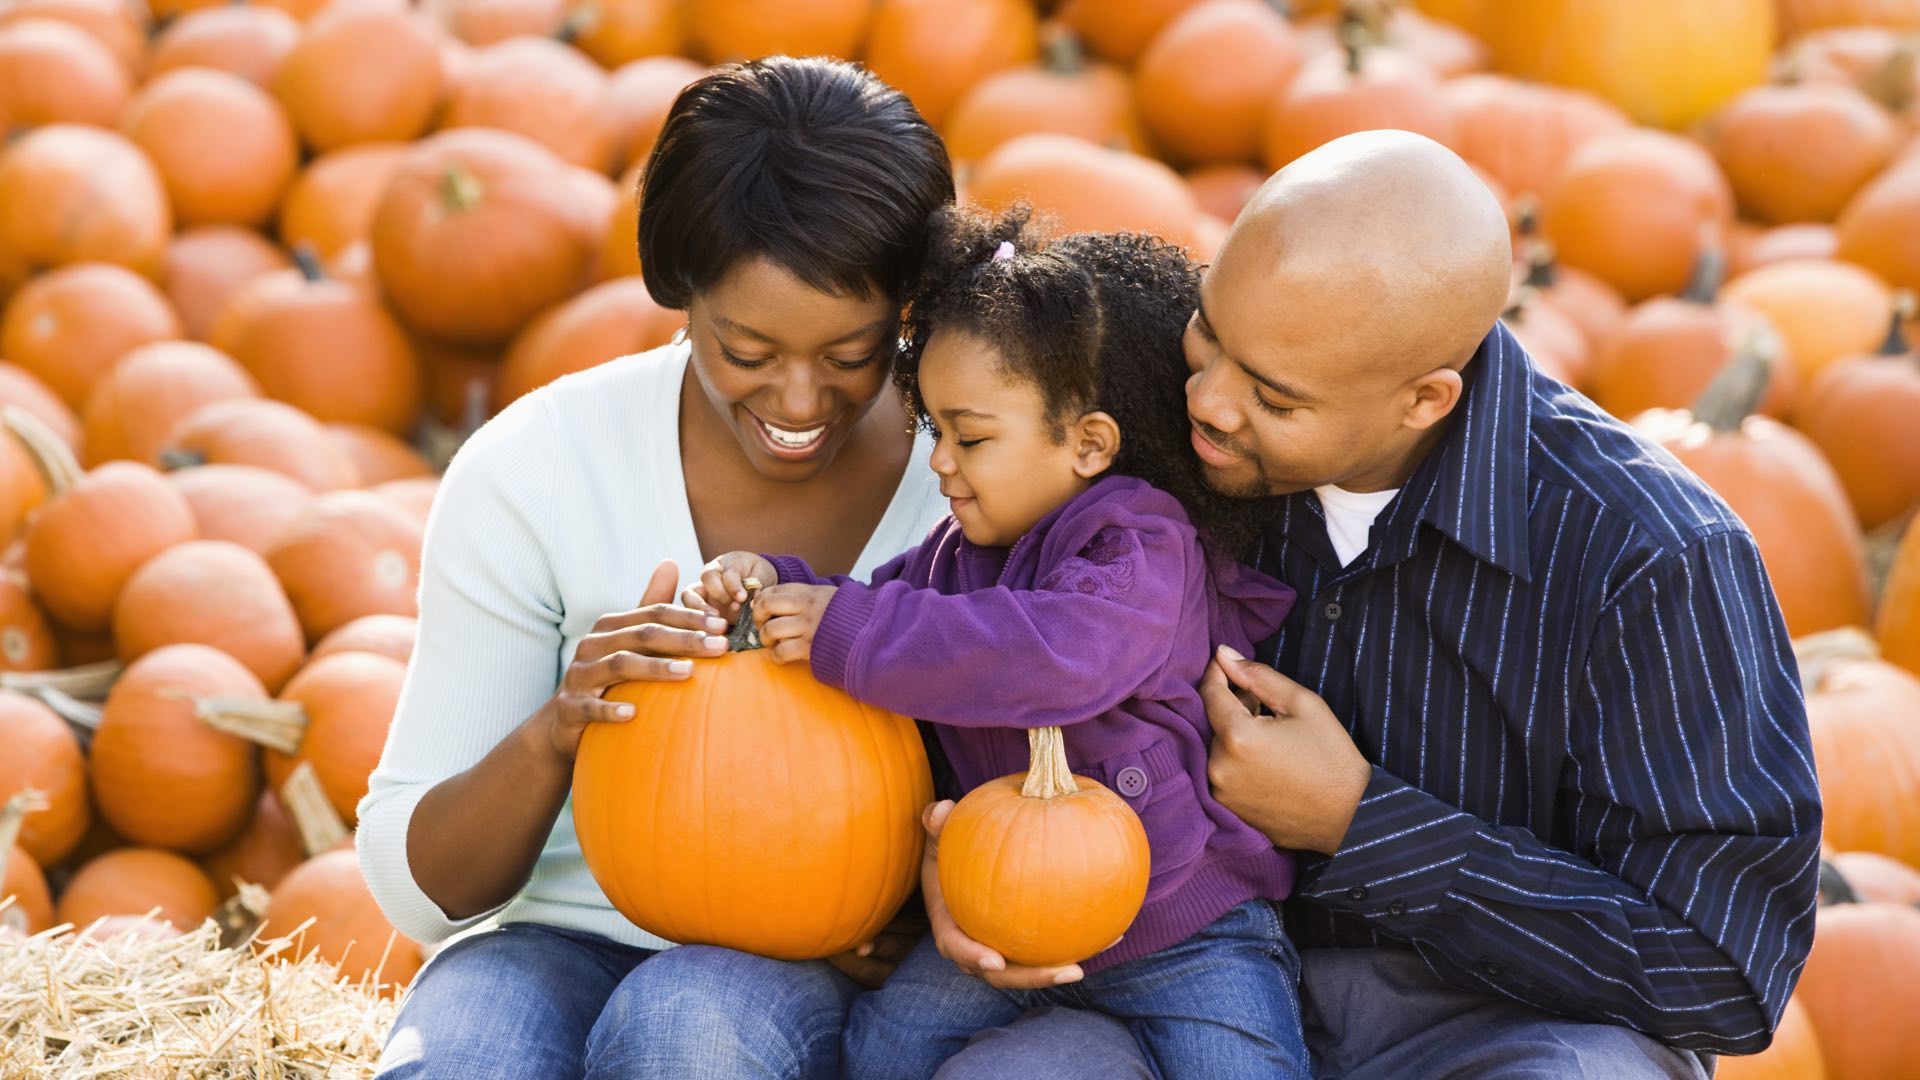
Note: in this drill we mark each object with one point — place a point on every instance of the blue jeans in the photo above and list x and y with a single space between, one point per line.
1223 1003
535 1001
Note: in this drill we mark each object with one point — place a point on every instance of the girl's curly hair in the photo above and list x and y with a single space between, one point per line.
1094 321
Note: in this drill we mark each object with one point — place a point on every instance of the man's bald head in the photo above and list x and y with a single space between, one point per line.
1340 312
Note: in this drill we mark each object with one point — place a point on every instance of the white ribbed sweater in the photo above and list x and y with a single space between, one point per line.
552 515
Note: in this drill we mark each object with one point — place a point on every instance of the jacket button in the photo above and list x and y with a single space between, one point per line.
1332 611
1132 781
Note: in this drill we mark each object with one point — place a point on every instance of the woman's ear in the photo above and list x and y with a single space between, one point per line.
1096 442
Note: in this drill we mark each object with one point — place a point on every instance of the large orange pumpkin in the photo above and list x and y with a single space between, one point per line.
1206 82
1880 228
1825 310
205 265
1120 30
325 347
1860 412
1799 153
537 87
211 592
134 881
163 777
26 641
1357 88
696 839
71 193
87 541
934 50
69 326
478 232
1864 715
1794 1053
725 31
137 403
1085 188
1787 494
348 928
1750 247
54 73
265 853
1523 133
1898 625
613 319
1636 208
1045 868
617 32
248 40
347 699
21 879
331 203
225 149
1064 94
1859 991
638 97
383 635
267 434
43 754
1667 65
348 554
244 504
362 72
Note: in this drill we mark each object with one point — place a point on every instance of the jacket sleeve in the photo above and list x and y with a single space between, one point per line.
1096 627
1684 906
794 570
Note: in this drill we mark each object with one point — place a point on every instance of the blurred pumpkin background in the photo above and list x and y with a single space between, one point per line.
255 287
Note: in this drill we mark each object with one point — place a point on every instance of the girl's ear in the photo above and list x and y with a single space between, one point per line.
1096 442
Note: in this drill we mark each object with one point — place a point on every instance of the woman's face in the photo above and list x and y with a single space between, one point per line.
790 370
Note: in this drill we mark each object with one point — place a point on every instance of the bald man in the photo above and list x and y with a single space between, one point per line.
1535 725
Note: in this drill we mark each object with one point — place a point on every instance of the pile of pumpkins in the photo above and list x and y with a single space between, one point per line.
263 263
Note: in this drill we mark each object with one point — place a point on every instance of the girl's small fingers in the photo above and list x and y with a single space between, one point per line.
734 585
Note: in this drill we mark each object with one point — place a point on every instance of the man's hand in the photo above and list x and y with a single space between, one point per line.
1295 775
967 954
871 963
788 616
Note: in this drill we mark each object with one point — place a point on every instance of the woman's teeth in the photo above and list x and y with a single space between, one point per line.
793 440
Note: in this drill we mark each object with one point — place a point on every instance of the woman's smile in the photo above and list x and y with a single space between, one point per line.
790 443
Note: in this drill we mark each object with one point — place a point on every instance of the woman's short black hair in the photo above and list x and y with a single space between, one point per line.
813 163
1094 321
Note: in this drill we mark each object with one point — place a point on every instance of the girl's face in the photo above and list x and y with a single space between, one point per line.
1000 465
790 370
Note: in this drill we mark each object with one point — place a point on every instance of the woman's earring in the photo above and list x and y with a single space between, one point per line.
679 336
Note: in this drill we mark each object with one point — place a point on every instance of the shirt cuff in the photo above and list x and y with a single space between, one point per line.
792 570
1399 859
840 625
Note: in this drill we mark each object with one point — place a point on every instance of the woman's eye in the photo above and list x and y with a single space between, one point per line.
743 362
855 365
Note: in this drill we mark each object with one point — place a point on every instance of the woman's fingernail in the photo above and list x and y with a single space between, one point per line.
680 667
624 712
716 624
1229 652
715 642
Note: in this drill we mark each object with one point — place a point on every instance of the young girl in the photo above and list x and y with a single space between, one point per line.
1081 581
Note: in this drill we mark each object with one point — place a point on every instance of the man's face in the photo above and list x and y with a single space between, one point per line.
1286 394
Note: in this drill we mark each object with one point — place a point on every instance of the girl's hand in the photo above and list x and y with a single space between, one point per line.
655 640
788 616
723 587
967 954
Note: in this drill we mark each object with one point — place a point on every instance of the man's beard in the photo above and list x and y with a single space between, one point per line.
1253 487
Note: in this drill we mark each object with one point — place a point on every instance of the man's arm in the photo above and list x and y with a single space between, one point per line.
1685 907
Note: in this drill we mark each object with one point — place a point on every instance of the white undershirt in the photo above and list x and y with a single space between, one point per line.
1350 517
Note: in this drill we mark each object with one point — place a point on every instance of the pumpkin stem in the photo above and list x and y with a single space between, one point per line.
1518 301
1892 84
1065 55
745 636
50 454
89 681
1709 271
1741 385
1896 343
25 801
460 190
1526 216
276 725
1543 271
173 459
1048 775
577 24
240 917
308 260
1834 887
318 823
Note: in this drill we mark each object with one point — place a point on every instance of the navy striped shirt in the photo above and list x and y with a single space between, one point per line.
1593 788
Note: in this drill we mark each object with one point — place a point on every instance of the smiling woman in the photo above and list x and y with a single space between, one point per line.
785 212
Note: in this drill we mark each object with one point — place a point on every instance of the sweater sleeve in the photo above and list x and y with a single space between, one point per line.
1097 626
488 649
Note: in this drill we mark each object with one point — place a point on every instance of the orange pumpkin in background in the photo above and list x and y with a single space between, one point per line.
27 642
332 202
613 319
934 50
1824 310
1799 153
362 72
88 540
265 434
732 30
263 855
1859 991
71 193
348 554
134 881
1860 412
211 592
1207 81
43 754
1861 712
248 40
1877 878
348 928
225 148
1358 88
67 327
543 89
1750 247
383 635
1084 188
244 504
1120 30
348 700
54 73
206 264
1636 208
1064 93
1880 228
1794 1053
1523 133
1898 625
617 32
138 402
638 97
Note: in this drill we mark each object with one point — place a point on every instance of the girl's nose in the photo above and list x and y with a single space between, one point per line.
942 460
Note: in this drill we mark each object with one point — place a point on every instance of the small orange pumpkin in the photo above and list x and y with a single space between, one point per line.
263 855
1592 305
137 403
25 390
268 434
1553 340
727 31
1794 1053
1750 247
1007 881
88 540
1860 413
617 32
638 97
55 73
211 592
1636 208
43 754
331 203
1800 152
69 326
1085 188
1208 79
1800 16
1859 991
26 641
1878 229
248 40
1064 94
1358 88
163 777
484 22
1898 625
21 879
1877 878
613 319
1121 30
934 50
134 881
1441 46
1861 713
619 257
348 700
122 28
362 72
243 504
206 264
71 193
1824 310
415 495
383 635
542 89
348 554
379 455
225 149
348 930
1524 133
1223 190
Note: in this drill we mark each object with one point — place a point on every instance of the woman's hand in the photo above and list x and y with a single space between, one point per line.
655 641
967 954
723 583
788 616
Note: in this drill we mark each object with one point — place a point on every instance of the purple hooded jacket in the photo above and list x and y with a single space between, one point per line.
1101 621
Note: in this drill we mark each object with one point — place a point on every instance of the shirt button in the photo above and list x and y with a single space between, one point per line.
1332 612
1396 908
1132 781
1491 969
1357 893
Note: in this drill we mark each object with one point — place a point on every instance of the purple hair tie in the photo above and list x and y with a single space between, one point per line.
1004 251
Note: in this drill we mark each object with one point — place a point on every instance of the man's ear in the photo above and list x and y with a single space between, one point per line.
1433 397
1096 442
